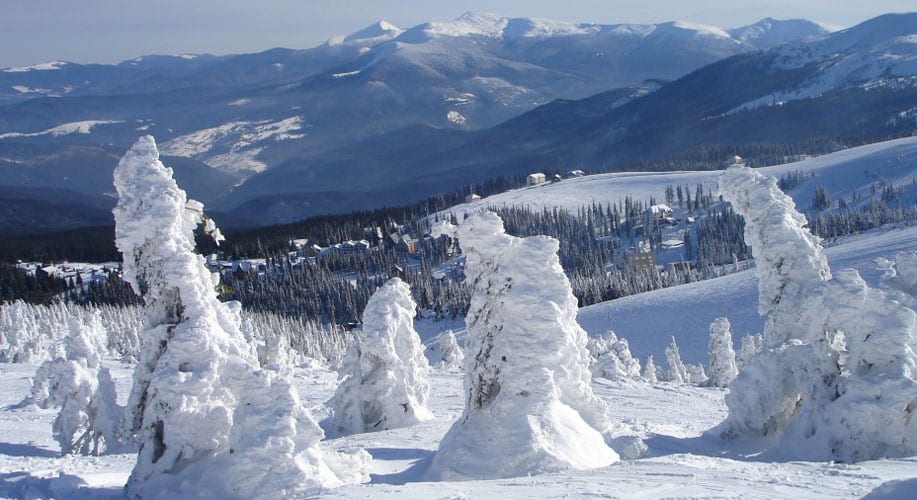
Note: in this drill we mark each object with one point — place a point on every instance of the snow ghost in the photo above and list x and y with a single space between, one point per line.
835 378
384 376
721 353
529 406
611 358
194 367
444 352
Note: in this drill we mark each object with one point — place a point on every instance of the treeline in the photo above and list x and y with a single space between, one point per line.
330 229
88 244
37 287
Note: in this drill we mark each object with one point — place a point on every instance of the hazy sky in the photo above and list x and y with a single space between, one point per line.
33 31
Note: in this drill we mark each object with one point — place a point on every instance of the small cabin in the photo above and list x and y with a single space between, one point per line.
643 260
660 211
472 197
535 179
576 173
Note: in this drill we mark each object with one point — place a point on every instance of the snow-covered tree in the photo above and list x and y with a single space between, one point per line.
611 358
836 376
649 370
529 406
677 372
444 352
751 344
89 417
194 366
383 379
696 373
278 442
871 414
722 356
792 270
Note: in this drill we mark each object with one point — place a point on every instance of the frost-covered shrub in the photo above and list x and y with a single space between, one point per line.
89 416
750 346
33 333
444 352
274 450
611 358
529 406
649 370
677 372
383 378
722 356
696 374
195 368
836 376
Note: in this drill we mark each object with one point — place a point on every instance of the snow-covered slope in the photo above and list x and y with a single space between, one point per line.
649 320
682 463
879 53
842 173
469 73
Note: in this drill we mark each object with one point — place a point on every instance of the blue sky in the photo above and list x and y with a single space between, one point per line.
33 31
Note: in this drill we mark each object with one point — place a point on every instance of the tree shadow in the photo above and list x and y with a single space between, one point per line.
412 474
26 450
710 444
22 484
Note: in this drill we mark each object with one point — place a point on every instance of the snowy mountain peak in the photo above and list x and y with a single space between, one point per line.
546 28
876 31
770 32
700 29
378 32
469 24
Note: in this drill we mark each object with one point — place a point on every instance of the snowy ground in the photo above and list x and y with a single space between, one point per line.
684 463
649 320
842 173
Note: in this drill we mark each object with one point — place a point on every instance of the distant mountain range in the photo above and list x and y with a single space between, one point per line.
387 115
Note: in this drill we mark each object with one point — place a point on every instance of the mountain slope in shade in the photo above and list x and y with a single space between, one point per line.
467 74
699 119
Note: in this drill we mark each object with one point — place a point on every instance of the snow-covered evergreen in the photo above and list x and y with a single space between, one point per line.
722 356
836 377
384 375
751 344
611 358
649 370
89 419
444 352
194 367
529 405
677 372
